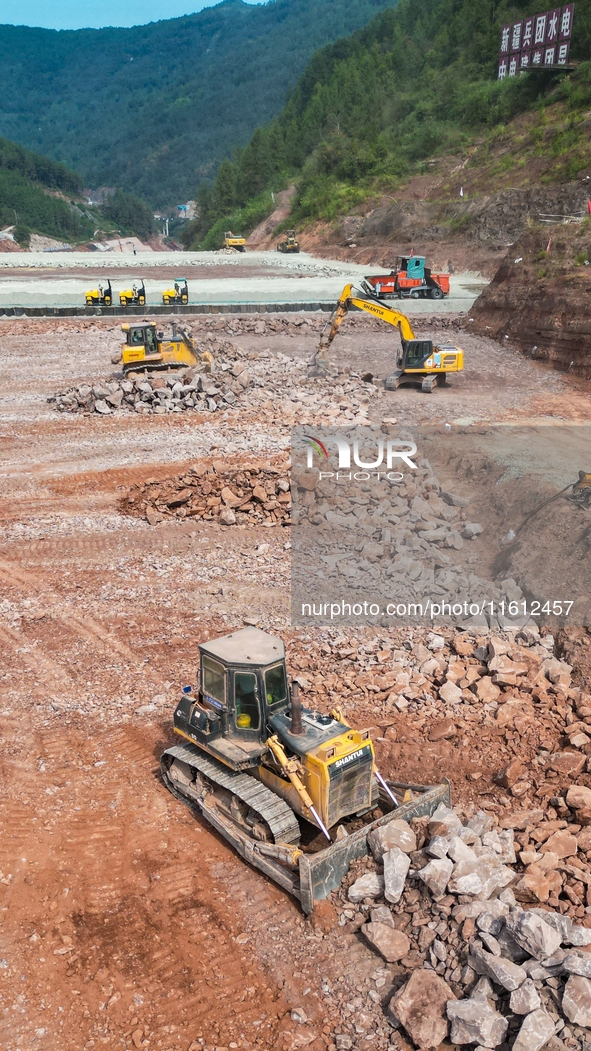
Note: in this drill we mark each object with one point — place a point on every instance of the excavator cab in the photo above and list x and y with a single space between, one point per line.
414 353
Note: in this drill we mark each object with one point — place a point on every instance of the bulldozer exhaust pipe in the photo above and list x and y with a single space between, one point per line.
297 726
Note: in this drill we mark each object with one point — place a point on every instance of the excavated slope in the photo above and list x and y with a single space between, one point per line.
540 297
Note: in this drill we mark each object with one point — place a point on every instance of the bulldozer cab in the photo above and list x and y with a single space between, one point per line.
142 336
243 681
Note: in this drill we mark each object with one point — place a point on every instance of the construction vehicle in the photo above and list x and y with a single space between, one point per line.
234 241
411 279
289 243
146 348
178 294
101 296
279 781
418 360
134 296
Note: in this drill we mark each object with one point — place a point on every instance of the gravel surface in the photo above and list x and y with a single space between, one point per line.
129 923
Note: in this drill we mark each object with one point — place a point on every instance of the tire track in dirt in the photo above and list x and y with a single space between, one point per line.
126 906
35 662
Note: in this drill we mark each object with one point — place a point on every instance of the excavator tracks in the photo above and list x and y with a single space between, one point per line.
198 779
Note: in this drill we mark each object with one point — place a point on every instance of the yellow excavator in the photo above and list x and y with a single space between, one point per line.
147 348
234 241
418 360
280 781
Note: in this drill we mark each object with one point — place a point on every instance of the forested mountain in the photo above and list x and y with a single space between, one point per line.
154 108
35 196
418 80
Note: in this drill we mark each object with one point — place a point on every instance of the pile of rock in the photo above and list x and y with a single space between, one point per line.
251 494
397 542
157 392
439 899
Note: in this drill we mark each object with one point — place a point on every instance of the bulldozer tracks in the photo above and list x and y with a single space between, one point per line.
274 812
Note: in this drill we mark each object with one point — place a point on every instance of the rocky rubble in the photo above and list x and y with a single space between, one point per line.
252 494
275 385
398 542
198 389
441 901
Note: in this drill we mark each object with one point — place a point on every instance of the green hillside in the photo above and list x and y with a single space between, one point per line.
35 196
154 108
370 110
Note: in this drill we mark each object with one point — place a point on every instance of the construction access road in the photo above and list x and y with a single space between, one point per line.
61 279
127 922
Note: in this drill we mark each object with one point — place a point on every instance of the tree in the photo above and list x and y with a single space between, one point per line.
130 214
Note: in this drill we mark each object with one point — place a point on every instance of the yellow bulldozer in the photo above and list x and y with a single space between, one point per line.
178 294
418 361
234 241
134 296
289 243
101 296
294 790
145 348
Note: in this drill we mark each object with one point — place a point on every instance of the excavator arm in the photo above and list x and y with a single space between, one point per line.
350 296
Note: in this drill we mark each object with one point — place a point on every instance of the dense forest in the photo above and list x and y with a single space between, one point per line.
154 109
38 195
418 80
30 200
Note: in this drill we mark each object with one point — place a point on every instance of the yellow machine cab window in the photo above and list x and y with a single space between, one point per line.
275 685
214 680
248 714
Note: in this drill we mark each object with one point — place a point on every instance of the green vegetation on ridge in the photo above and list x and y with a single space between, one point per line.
38 195
154 109
29 196
369 110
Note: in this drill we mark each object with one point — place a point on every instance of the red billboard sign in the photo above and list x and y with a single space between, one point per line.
535 42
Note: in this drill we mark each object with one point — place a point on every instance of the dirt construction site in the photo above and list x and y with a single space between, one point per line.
127 922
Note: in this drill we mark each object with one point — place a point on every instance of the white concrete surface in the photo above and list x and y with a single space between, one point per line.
301 278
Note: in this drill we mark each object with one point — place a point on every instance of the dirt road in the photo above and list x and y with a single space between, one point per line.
127 923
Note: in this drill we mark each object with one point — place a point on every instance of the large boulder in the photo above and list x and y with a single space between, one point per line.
475 1022
534 935
385 939
420 1006
536 1030
396 833
396 866
576 1001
